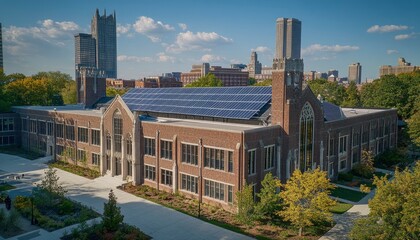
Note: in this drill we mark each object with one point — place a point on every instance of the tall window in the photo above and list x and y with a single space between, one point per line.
118 125
269 157
50 128
214 158
166 149
189 183
96 137
306 137
149 146
24 125
82 135
95 159
32 126
60 130
356 139
149 172
108 141
342 150
190 154
42 127
252 154
129 146
215 190
230 161
70 132
166 177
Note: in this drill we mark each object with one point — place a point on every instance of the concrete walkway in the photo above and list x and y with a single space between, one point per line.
346 220
153 219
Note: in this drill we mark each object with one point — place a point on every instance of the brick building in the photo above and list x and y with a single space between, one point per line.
206 143
158 82
120 83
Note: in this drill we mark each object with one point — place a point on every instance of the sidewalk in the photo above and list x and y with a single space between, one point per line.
153 219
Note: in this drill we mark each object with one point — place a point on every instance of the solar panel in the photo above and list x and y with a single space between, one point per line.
221 102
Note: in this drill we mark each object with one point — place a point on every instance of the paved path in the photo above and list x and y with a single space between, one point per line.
153 219
346 220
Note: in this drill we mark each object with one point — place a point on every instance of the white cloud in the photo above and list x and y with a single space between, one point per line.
391 51
125 58
22 40
183 26
328 48
123 29
386 28
151 28
404 36
186 41
212 58
261 49
162 57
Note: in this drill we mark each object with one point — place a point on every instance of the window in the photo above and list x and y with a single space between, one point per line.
230 194
96 137
70 132
331 147
129 147
214 158
230 161
42 128
32 126
81 155
306 137
331 169
356 139
373 132
24 125
118 126
60 130
365 136
214 190
6 124
82 135
108 142
355 157
50 127
166 149
60 150
343 164
252 161
95 159
189 183
189 154
150 172
7 140
269 157
129 168
342 150
149 146
166 177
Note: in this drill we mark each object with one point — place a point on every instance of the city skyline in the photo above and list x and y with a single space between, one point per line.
153 38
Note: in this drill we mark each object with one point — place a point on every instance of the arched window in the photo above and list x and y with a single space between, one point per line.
118 125
306 137
108 141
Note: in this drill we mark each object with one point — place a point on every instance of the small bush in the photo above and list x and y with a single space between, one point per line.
390 158
345 177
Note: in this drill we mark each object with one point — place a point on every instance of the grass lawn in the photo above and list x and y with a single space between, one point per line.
78 170
347 194
5 187
340 208
20 152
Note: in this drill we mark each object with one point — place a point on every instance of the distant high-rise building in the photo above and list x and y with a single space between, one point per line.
403 67
1 51
288 38
104 31
91 85
333 72
85 50
355 73
254 66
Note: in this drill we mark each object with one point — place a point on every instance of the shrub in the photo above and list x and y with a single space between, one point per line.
391 157
345 177
12 221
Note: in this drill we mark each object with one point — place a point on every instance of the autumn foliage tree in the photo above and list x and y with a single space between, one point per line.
305 198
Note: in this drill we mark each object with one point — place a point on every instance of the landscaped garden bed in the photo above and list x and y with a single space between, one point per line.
353 180
75 169
347 194
276 229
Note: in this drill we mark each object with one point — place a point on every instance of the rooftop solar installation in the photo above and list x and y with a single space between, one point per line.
221 102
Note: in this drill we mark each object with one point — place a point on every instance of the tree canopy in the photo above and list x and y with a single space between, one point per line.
330 91
207 81
394 210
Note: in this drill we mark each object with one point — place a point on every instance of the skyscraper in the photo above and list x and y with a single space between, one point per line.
1 50
254 66
288 38
85 50
355 73
104 31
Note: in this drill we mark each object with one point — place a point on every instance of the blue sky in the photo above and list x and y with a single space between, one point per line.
157 36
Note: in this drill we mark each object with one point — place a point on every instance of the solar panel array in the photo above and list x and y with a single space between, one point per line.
221 102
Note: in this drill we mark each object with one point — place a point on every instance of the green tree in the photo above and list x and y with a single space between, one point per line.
269 202
414 125
330 91
394 210
246 205
352 96
50 182
112 217
365 168
69 93
207 81
267 82
112 92
252 81
306 200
